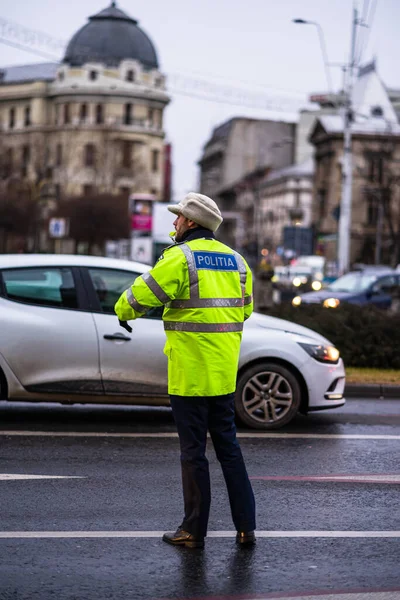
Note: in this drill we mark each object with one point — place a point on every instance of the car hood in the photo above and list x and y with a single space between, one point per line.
315 297
258 320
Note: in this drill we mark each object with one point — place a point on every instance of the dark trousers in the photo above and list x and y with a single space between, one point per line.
194 415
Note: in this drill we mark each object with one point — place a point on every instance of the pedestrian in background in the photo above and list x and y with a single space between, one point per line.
206 288
263 293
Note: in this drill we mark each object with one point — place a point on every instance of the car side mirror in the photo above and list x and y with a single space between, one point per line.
373 292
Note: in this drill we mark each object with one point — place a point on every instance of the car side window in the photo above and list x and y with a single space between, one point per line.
110 284
41 286
386 285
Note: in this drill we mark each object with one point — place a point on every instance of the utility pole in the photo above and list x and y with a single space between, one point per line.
347 166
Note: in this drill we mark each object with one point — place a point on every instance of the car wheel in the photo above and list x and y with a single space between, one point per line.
267 396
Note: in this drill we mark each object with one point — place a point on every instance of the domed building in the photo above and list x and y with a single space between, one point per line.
94 122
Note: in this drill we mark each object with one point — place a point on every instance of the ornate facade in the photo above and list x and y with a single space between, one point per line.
93 123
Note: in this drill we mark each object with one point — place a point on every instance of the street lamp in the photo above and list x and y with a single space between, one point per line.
347 165
323 47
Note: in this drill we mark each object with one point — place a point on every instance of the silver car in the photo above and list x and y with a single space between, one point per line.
60 341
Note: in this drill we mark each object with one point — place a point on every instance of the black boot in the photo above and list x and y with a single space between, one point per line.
183 538
245 538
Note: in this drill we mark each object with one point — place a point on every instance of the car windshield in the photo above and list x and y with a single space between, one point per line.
352 282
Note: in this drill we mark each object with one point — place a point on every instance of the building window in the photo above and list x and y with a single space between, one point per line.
124 191
376 111
67 115
155 158
99 114
11 118
27 116
375 168
26 153
126 154
83 113
88 189
151 116
321 203
130 75
372 210
8 163
57 188
90 155
58 155
128 114
93 75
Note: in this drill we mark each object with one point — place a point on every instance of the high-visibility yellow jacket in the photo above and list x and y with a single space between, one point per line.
206 288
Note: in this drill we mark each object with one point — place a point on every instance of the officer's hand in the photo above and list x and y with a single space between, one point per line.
125 325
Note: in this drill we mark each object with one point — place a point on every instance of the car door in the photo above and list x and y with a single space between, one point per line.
48 336
131 363
382 291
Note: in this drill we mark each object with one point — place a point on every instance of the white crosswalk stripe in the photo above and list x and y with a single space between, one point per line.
211 534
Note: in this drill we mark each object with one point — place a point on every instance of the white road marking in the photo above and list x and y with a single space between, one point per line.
213 534
11 477
278 436
368 478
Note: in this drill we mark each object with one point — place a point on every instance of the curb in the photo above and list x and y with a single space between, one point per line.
373 390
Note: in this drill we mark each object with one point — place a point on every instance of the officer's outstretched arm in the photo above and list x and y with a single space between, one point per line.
155 288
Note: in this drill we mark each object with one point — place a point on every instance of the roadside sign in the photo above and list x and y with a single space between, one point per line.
58 228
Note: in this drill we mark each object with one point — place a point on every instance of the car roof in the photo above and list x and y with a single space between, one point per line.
8 261
371 271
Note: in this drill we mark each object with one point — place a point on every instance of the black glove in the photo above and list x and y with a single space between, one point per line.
125 325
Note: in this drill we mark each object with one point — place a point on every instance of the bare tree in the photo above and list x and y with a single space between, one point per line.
94 219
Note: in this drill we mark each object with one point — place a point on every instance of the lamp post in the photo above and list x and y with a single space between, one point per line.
343 250
323 47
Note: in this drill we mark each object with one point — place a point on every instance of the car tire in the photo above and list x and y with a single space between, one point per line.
267 396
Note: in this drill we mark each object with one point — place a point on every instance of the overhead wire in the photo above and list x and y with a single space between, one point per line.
366 24
179 84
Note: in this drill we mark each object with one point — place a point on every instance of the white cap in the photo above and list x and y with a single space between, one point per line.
200 209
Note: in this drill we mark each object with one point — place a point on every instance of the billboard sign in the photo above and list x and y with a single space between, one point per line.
141 210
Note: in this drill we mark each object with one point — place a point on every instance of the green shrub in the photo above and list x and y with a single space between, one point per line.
365 336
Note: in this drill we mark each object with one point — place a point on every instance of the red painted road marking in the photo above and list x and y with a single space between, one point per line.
368 478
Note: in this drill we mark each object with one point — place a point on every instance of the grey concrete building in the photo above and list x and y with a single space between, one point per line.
242 148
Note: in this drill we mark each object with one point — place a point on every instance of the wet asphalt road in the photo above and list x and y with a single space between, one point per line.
127 482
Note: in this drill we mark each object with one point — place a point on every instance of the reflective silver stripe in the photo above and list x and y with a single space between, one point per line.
242 271
193 274
155 288
207 303
248 300
203 327
134 303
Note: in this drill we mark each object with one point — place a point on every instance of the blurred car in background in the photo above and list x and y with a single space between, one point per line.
61 342
375 286
291 280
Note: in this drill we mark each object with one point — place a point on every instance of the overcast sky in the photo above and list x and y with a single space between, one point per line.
251 45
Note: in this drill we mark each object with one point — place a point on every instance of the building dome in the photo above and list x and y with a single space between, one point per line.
110 37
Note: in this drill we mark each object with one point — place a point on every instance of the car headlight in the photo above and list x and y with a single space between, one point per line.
296 301
322 353
316 285
296 281
331 303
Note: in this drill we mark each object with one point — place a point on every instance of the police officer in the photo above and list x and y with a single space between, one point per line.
206 288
